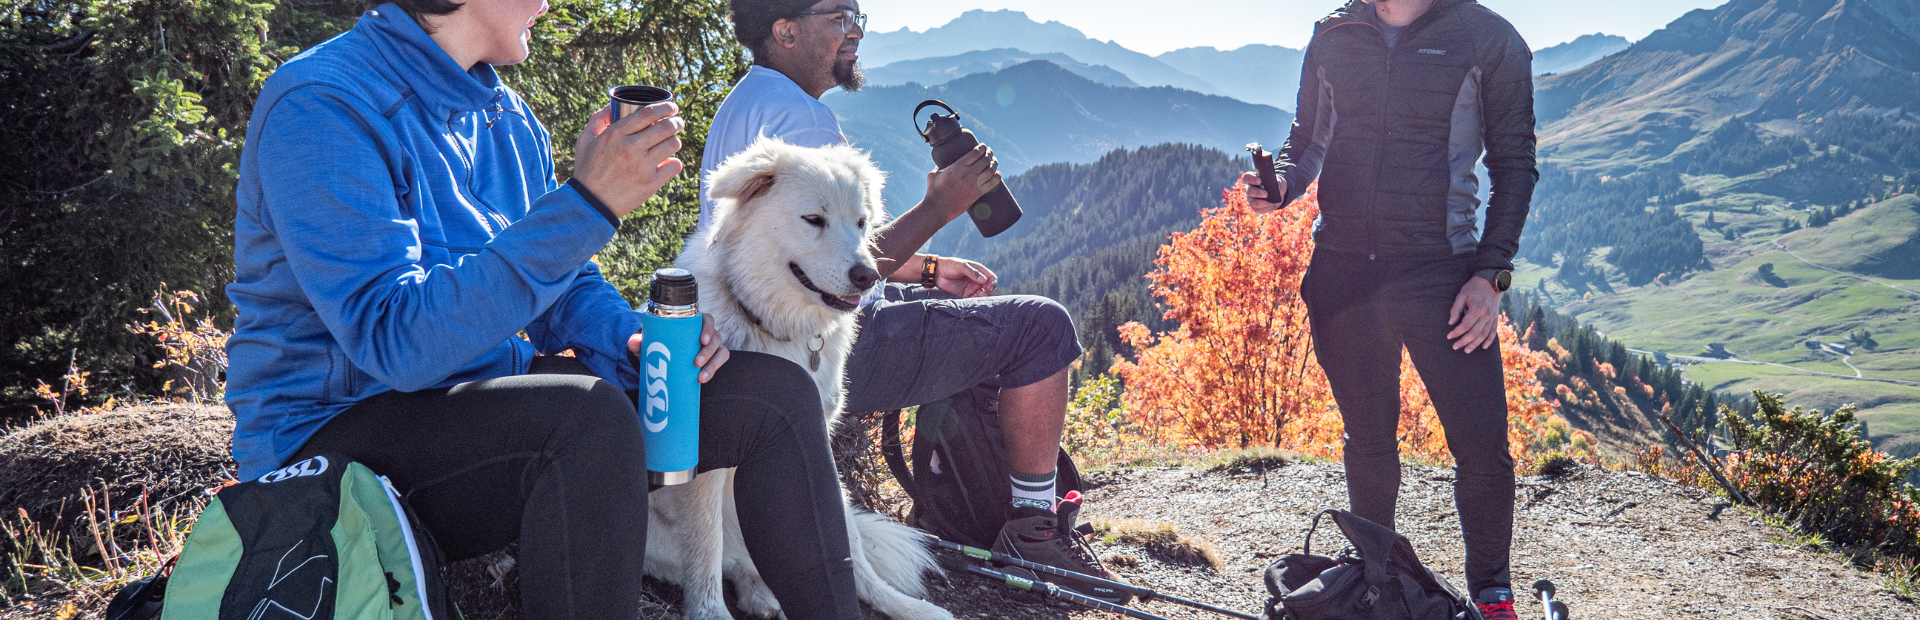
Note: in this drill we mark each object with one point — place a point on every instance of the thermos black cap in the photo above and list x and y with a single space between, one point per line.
673 286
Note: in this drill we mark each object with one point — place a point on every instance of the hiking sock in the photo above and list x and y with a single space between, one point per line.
1033 490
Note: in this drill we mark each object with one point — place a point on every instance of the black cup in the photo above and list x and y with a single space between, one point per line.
629 99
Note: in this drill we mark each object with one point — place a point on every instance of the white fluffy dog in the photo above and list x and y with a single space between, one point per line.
782 266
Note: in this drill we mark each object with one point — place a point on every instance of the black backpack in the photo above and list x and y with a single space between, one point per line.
959 476
1378 578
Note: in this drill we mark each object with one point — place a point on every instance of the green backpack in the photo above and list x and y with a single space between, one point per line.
321 538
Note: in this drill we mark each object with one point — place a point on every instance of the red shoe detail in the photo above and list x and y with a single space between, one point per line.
1073 497
1502 610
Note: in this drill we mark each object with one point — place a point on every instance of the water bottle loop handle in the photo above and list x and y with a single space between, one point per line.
923 105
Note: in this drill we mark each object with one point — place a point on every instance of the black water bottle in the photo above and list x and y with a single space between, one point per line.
996 211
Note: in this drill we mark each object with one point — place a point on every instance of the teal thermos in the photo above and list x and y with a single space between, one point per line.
670 408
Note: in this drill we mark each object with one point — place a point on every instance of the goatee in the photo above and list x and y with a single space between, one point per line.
848 76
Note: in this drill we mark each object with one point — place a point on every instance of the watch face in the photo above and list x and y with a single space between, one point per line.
1503 281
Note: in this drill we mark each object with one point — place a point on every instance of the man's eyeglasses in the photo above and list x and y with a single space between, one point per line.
848 18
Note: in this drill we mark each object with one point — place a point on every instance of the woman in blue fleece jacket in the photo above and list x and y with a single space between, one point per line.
399 225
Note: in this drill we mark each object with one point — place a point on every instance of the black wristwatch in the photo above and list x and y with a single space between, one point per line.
1500 278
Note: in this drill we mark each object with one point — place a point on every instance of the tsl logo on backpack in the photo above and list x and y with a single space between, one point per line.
310 467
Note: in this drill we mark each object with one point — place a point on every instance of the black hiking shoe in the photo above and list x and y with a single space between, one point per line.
1496 604
1048 538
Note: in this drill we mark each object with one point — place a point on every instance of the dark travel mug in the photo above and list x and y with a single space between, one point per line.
629 99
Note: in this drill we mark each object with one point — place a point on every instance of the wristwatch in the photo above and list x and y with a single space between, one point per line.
1500 278
927 270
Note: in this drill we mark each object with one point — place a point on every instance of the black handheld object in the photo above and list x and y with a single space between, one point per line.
1269 176
997 210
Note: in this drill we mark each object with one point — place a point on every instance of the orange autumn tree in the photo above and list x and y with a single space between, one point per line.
1239 371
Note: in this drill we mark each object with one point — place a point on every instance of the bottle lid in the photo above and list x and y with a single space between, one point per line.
673 286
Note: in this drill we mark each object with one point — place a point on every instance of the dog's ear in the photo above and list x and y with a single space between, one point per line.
744 176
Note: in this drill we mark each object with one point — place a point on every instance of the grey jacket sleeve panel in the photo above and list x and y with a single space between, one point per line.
1301 157
1508 120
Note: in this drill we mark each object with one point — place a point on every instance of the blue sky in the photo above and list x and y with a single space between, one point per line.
1155 26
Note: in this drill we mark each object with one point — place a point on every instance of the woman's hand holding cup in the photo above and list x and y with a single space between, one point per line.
626 162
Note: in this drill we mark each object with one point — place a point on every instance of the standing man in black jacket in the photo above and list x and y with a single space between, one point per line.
1398 100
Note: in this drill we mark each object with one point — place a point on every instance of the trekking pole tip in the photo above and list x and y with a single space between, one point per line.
1543 587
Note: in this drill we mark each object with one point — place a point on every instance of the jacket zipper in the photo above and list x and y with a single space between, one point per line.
1380 152
493 216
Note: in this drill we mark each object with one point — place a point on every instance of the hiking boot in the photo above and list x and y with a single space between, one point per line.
1496 604
1048 538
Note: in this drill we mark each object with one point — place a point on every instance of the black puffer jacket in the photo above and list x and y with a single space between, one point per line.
1393 134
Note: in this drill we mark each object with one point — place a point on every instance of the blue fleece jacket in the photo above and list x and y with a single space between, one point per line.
399 224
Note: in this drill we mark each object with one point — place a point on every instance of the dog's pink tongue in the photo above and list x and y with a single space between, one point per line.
852 300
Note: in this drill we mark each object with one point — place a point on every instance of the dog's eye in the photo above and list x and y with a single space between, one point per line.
815 220
862 223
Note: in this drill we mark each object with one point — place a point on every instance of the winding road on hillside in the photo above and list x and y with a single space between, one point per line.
1782 244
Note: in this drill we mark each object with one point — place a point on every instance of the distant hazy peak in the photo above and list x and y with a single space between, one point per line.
1577 53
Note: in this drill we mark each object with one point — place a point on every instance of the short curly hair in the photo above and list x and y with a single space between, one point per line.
753 19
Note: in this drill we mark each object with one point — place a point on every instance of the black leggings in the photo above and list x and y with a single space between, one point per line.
1362 312
555 460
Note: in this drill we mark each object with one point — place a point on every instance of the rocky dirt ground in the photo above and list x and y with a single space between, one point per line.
1618 544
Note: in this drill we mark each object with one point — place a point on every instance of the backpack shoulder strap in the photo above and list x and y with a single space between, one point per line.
890 449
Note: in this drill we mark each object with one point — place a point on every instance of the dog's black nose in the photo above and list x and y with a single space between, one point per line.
862 276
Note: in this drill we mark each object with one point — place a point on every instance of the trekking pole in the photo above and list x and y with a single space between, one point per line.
1544 590
1048 590
1145 595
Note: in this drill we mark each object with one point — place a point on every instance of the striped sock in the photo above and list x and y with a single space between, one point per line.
1033 491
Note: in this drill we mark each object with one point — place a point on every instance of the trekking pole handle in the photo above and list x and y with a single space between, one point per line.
1144 594
1048 590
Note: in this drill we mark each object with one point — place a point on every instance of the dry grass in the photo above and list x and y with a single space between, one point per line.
1160 540
98 499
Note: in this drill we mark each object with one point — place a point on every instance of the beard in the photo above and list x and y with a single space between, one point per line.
848 76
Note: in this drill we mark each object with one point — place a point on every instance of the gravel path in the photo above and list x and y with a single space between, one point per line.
1618 545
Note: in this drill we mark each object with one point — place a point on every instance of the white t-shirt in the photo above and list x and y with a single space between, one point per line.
765 102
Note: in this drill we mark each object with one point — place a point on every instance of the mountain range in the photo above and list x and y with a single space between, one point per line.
1784 60
986 41
1743 177
1038 113
943 69
981 30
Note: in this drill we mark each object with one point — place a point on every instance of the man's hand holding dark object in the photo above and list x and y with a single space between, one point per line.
954 189
1257 197
1475 316
625 163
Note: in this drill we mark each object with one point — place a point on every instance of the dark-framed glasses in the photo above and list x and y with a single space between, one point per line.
848 18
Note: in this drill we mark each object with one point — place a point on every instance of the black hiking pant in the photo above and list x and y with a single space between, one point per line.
554 460
1363 311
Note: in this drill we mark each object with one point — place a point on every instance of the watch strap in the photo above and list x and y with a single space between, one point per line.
927 271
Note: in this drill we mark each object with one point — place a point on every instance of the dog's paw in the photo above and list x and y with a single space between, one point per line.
758 601
706 609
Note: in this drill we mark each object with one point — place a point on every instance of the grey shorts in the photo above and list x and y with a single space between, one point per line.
920 345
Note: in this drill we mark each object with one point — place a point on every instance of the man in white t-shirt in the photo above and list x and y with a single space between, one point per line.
933 331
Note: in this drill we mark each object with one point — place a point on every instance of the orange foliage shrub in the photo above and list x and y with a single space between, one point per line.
1240 371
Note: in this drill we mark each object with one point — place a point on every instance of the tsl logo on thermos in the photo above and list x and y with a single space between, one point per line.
656 359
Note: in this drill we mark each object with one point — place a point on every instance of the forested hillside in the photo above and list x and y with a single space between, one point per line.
1092 230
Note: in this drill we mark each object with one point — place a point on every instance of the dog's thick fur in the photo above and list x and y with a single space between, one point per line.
782 211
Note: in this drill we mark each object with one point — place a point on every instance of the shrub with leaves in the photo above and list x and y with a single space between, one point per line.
1817 473
1239 369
